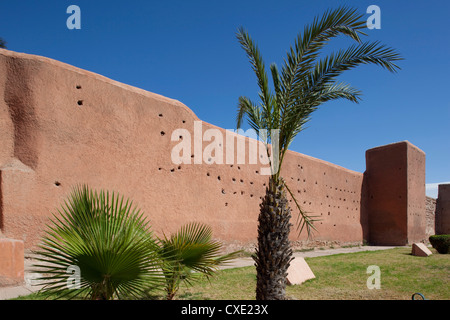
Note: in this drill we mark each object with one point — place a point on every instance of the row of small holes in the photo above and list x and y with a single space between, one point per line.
171 170
161 115
79 102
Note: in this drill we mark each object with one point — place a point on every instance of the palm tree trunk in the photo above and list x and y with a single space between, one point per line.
274 253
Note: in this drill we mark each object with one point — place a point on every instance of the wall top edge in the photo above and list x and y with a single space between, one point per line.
71 68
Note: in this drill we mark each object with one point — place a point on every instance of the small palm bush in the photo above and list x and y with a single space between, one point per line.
189 254
107 239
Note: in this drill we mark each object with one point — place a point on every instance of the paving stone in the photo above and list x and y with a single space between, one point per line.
420 250
299 271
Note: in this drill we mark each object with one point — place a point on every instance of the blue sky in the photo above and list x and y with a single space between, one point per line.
187 50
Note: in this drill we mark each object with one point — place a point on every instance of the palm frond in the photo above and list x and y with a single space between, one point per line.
303 219
194 248
330 67
257 63
246 108
301 57
191 249
108 239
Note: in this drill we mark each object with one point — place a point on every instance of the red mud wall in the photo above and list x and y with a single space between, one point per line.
443 209
61 126
396 194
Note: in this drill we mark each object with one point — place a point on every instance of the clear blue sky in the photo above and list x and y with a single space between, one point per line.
187 50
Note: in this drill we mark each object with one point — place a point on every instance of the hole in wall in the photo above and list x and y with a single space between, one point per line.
184 121
57 183
80 102
172 170
78 86
162 133
160 115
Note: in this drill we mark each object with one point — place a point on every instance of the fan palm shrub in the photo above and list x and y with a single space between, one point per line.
305 82
105 238
189 254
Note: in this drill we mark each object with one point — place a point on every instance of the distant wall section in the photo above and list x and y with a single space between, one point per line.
443 209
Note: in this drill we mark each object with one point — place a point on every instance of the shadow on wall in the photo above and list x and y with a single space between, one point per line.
364 214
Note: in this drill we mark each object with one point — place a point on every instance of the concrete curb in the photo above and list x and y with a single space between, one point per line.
246 262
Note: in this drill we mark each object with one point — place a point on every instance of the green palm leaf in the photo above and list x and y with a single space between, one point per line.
189 253
110 242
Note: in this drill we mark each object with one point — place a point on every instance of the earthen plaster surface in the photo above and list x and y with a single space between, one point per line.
61 126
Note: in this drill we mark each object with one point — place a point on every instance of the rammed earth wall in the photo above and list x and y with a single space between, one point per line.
61 126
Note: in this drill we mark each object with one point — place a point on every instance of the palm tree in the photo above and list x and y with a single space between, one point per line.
107 240
2 43
305 82
189 254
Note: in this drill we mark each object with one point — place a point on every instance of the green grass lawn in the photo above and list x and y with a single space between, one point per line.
341 276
